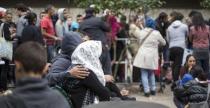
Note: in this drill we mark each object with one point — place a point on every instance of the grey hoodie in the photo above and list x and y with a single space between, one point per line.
176 34
61 25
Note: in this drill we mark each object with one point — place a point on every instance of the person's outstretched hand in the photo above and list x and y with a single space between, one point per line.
79 72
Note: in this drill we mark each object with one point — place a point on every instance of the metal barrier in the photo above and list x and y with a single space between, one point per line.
128 61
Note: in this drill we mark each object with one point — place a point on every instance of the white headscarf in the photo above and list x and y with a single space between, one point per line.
87 54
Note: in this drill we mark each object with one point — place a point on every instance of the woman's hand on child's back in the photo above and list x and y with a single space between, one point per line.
79 72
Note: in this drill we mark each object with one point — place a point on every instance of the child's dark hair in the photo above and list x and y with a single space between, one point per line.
31 17
32 56
198 72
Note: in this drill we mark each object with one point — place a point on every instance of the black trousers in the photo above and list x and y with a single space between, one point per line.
176 55
202 56
114 90
4 69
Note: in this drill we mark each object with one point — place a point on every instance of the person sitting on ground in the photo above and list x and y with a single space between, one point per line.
60 64
86 91
191 88
190 62
31 90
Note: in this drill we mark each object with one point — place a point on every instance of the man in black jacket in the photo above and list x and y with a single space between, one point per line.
32 91
96 29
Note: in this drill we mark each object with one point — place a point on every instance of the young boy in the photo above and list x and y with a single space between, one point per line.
31 90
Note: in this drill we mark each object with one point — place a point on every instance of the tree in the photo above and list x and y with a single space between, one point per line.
117 5
205 3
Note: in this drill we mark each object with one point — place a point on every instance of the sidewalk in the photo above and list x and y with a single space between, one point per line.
165 98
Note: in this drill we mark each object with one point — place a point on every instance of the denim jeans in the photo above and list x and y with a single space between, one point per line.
50 52
148 80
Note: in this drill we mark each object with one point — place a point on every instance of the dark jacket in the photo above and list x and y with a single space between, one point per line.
95 28
62 62
58 70
33 93
192 91
31 33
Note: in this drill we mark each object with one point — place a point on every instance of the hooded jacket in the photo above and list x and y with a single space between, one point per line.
62 62
176 34
33 93
61 26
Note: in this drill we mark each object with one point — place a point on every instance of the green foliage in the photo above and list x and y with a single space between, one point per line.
117 5
205 3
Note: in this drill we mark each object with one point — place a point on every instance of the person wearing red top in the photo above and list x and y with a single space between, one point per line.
48 31
199 36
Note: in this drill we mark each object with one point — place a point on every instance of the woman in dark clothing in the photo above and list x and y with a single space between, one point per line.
89 90
31 32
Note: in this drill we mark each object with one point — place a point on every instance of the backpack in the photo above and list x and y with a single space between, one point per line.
63 92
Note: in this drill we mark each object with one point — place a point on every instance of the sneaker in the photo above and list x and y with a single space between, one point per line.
153 93
147 94
141 88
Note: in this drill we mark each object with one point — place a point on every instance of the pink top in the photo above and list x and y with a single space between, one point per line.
200 38
115 26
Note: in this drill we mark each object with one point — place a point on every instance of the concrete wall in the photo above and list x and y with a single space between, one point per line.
153 13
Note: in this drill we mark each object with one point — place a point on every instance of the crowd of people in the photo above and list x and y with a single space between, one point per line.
76 57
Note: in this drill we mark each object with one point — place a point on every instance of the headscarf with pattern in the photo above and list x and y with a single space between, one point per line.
87 54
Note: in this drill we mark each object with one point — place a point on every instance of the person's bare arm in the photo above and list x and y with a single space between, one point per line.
48 35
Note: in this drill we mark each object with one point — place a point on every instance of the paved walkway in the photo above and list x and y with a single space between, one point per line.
165 98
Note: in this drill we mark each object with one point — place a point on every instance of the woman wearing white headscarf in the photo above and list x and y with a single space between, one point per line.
87 91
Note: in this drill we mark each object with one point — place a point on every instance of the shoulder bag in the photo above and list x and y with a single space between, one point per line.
6 47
